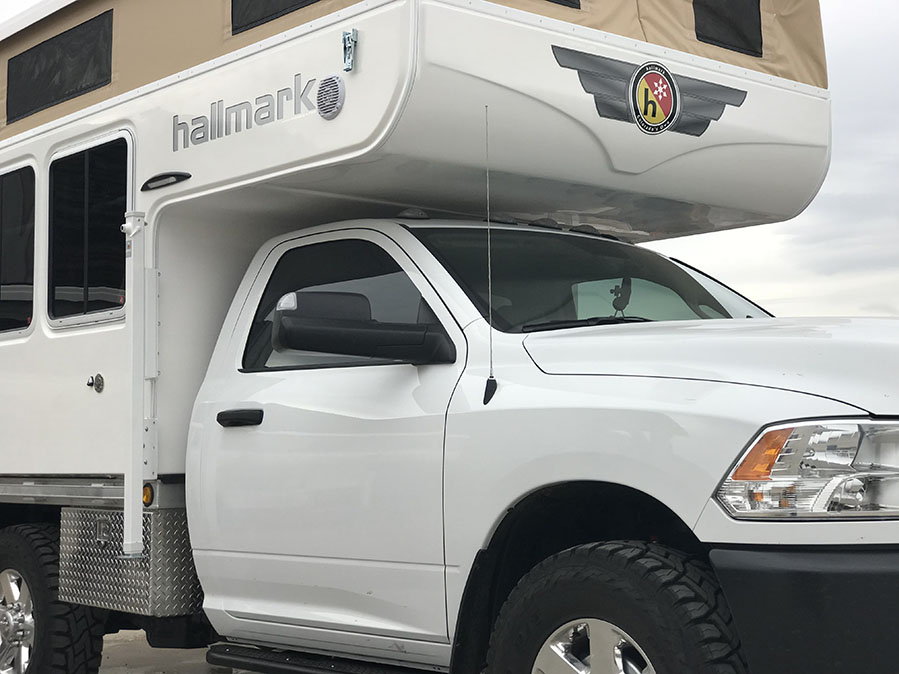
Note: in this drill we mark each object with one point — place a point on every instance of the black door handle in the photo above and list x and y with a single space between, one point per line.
233 418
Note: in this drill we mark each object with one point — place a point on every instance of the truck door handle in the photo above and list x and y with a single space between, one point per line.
233 418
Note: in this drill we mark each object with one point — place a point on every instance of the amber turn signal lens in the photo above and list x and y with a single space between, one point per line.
148 495
759 462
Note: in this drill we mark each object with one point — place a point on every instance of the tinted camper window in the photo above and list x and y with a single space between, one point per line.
246 14
575 4
730 24
68 65
88 195
16 249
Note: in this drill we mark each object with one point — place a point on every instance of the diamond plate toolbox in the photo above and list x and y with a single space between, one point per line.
91 571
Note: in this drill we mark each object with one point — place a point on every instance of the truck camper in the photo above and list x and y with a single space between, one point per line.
325 343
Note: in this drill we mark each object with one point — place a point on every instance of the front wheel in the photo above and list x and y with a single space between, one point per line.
38 633
616 608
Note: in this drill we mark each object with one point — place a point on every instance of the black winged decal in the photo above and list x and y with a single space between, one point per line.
608 81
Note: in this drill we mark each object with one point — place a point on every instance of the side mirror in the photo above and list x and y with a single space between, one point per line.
339 322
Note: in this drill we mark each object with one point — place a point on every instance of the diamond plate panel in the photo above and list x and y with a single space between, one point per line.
91 571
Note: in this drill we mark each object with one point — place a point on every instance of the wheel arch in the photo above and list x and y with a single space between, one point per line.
28 513
542 523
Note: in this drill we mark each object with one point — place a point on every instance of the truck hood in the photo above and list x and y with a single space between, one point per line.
854 361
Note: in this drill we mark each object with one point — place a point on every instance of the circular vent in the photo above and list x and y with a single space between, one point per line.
331 94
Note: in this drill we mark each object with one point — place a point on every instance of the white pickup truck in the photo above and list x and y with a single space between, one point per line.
655 473
524 445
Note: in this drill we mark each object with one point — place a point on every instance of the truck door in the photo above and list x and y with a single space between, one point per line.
324 511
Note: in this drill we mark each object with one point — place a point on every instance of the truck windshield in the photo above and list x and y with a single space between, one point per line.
545 280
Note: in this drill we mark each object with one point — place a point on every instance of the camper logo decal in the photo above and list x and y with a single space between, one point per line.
649 95
654 99
230 119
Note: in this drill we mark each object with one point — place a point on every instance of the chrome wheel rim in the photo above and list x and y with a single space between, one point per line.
591 646
16 623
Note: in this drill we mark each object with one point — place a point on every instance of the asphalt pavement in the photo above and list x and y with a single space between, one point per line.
128 653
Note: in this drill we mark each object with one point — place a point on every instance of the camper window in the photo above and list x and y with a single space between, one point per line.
68 65
88 196
246 14
730 24
16 249
576 4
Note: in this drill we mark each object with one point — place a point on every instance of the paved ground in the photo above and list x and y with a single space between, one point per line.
128 653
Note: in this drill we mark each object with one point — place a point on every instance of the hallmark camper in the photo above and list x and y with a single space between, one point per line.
325 343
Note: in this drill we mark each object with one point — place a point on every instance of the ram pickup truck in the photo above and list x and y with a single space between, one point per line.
662 477
637 470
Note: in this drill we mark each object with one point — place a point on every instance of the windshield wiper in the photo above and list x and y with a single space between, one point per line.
583 322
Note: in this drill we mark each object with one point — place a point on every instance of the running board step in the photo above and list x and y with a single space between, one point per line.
288 662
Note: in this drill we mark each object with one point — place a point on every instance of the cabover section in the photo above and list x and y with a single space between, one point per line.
297 124
62 56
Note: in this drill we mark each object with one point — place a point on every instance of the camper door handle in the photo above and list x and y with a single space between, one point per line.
234 418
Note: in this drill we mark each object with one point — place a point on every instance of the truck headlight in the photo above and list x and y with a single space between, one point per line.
817 470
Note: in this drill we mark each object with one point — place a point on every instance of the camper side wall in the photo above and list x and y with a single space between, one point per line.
64 345
203 253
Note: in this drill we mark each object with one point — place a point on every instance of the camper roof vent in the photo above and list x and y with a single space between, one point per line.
331 94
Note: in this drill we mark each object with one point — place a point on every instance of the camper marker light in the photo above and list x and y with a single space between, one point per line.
164 180
148 495
841 469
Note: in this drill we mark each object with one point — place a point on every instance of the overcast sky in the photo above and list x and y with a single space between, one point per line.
840 257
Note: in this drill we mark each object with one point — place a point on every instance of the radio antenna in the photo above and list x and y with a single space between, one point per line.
490 389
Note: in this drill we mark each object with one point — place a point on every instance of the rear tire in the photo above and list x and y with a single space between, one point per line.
67 638
632 608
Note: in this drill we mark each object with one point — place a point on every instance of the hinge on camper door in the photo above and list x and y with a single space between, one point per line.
350 38
151 451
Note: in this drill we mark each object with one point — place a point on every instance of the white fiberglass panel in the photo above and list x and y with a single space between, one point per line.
257 116
52 422
553 151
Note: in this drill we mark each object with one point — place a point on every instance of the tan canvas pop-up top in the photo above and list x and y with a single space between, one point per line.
778 37
77 53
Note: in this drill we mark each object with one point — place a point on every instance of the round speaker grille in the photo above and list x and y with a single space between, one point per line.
331 95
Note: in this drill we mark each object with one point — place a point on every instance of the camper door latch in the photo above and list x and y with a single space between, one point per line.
134 223
350 38
97 383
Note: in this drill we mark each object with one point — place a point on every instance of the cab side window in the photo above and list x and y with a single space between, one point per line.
352 275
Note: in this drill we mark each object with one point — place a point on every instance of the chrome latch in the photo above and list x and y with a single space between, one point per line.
350 38
102 531
96 382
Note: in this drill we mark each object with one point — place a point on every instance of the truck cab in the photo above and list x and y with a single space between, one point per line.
349 407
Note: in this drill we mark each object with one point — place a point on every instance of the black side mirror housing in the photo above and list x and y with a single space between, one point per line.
341 323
